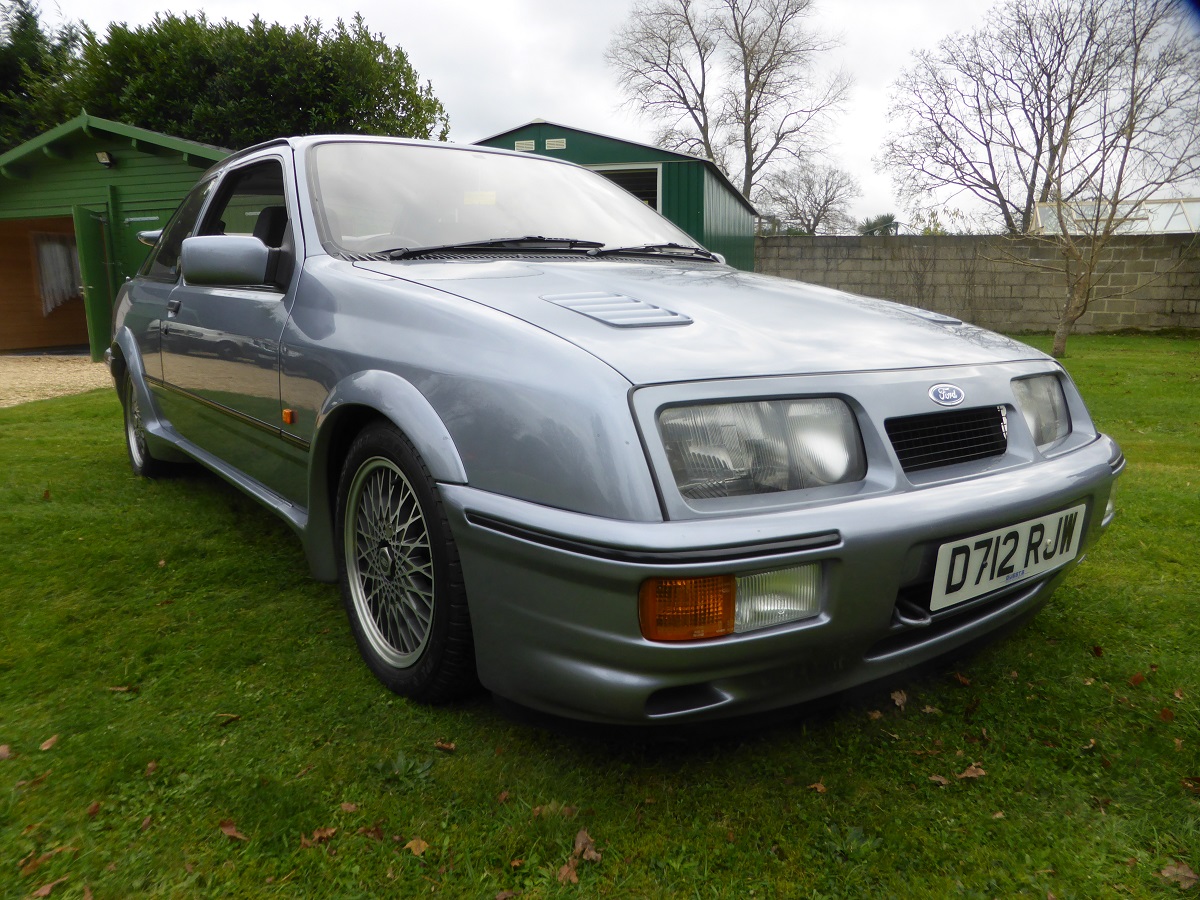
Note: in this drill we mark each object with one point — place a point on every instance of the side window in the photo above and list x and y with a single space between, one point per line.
163 262
251 202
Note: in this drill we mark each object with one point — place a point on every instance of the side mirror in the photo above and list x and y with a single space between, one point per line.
149 238
233 259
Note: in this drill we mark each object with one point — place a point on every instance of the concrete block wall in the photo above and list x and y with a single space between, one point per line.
1005 284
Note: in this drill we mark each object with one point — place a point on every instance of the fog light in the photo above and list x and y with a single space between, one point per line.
773 598
686 609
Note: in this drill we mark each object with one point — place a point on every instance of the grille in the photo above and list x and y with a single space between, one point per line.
945 438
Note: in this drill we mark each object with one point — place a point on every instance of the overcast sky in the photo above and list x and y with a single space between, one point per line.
496 64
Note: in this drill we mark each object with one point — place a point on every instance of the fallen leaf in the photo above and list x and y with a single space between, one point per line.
47 889
516 863
962 679
146 822
818 787
567 873
1091 745
900 698
1137 679
1167 715
151 768
48 743
502 797
162 563
1013 675
998 815
939 779
1097 651
972 771
1181 874
585 847
1131 862
349 807
46 496
444 746
230 830
1178 744
874 715
1089 681
226 718
319 836
31 863
1153 667
125 689
305 771
374 832
87 893
93 809
416 846
931 710
1192 783
5 752
1178 695
506 895
36 781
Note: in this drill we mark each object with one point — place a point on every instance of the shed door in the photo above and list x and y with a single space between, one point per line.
91 239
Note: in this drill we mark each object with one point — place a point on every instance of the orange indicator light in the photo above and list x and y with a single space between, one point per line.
687 609
289 417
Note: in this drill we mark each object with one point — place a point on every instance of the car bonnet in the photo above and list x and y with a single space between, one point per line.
673 321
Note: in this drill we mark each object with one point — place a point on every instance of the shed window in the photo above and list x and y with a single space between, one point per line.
57 269
642 183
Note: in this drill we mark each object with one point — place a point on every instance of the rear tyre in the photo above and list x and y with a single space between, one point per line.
140 459
399 571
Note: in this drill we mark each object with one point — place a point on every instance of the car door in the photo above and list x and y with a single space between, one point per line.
220 343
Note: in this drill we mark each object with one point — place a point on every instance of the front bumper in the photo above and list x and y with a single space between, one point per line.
554 608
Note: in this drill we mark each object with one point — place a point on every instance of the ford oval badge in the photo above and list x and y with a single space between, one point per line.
947 394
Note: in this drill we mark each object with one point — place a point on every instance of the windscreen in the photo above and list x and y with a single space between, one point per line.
374 197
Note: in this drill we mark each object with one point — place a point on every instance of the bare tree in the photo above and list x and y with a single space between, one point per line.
1078 109
733 81
810 199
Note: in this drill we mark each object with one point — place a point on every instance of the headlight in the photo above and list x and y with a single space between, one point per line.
764 446
1044 406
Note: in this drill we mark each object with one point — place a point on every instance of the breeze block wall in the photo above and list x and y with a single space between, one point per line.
1155 279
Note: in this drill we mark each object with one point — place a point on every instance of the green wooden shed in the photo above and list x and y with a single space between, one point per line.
693 193
72 202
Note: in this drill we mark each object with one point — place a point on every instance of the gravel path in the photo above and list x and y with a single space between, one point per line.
25 378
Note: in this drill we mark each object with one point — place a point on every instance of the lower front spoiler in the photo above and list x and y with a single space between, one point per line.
553 594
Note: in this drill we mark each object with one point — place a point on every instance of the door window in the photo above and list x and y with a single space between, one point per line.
163 262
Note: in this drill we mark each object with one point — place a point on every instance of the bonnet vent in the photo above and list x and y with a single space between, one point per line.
618 310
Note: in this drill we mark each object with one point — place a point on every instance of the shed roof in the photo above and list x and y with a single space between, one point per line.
202 155
650 154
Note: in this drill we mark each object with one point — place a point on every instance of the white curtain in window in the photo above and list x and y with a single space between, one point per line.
58 270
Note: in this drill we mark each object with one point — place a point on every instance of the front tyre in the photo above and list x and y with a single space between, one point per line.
140 460
399 571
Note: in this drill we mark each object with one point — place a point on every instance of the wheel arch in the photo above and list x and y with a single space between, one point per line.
354 404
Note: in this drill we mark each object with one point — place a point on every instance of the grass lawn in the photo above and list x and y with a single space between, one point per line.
183 713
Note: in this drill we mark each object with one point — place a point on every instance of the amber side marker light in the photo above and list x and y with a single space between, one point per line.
687 609
289 417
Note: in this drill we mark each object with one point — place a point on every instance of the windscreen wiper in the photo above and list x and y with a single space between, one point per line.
568 244
655 250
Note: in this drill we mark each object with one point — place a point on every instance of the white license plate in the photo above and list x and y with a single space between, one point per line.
978 565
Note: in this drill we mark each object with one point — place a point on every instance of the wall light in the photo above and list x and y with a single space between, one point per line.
105 159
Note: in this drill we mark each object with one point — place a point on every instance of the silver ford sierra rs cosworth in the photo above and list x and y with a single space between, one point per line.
549 445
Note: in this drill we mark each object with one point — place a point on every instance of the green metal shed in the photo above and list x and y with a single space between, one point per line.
693 193
72 201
